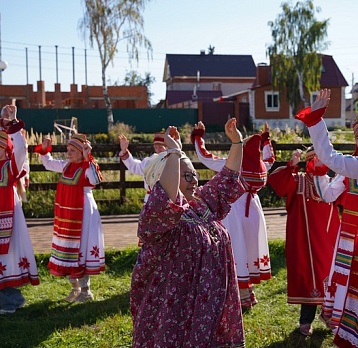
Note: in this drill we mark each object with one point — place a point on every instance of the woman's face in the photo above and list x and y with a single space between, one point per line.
159 148
74 155
188 178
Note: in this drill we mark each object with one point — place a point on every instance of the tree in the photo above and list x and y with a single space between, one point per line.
211 49
108 22
133 79
296 64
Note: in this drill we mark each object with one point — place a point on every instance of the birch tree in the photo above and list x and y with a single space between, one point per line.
295 59
107 22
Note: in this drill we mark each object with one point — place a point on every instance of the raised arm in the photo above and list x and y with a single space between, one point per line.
234 159
208 159
170 177
345 165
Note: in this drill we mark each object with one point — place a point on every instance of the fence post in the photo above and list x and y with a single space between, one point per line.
122 182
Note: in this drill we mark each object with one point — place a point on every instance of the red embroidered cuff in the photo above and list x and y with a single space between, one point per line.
310 118
14 126
265 137
124 156
196 132
38 149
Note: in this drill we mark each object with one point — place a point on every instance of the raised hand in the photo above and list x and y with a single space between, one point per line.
200 125
231 131
311 116
322 100
87 148
46 143
296 157
123 143
172 138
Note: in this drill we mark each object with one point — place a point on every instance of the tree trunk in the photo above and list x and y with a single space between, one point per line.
107 101
300 86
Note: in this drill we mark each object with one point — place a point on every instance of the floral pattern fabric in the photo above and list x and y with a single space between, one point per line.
184 291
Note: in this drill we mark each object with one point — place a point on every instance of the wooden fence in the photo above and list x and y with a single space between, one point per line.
111 151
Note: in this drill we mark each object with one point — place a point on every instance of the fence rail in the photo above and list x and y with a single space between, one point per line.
111 150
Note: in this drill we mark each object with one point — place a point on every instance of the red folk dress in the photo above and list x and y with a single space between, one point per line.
78 242
184 291
311 231
246 222
17 260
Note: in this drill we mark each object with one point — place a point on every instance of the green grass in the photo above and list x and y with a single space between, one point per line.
46 321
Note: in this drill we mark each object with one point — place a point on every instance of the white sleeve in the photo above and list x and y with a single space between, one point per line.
134 165
212 162
268 156
329 190
346 165
52 164
92 174
19 150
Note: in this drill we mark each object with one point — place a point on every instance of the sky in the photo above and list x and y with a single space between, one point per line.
31 30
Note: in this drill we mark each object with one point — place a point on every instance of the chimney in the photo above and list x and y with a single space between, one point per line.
263 75
202 52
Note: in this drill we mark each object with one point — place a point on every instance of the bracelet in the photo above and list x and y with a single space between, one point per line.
238 142
174 151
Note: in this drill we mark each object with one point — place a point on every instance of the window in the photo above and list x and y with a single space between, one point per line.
272 101
313 97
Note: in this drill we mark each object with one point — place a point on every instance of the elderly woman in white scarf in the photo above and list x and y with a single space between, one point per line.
184 290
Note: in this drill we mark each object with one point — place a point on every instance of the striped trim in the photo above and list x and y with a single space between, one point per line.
72 181
4 179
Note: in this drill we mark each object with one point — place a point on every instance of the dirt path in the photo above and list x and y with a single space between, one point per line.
120 231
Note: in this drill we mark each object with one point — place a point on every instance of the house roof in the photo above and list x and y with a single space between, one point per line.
331 75
175 97
208 65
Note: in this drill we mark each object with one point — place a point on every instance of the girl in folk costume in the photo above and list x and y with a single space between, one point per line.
78 243
17 260
246 222
340 309
311 231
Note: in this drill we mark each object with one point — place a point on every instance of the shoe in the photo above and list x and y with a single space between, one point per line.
246 305
73 295
253 299
306 329
7 311
324 320
84 297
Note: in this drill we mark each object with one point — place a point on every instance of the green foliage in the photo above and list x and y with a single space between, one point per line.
109 22
295 62
132 78
120 128
101 138
47 321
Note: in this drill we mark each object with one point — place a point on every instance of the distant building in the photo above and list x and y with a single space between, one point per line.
267 105
222 86
90 97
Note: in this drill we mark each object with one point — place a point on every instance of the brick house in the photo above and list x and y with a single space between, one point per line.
268 105
198 81
89 97
220 86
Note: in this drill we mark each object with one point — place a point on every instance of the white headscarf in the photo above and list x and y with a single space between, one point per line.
154 167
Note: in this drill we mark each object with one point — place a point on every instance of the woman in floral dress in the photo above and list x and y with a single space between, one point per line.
184 291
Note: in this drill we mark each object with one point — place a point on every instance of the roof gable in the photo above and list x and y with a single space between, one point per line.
331 75
209 65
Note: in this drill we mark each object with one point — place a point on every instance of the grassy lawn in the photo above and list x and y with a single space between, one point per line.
47 321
